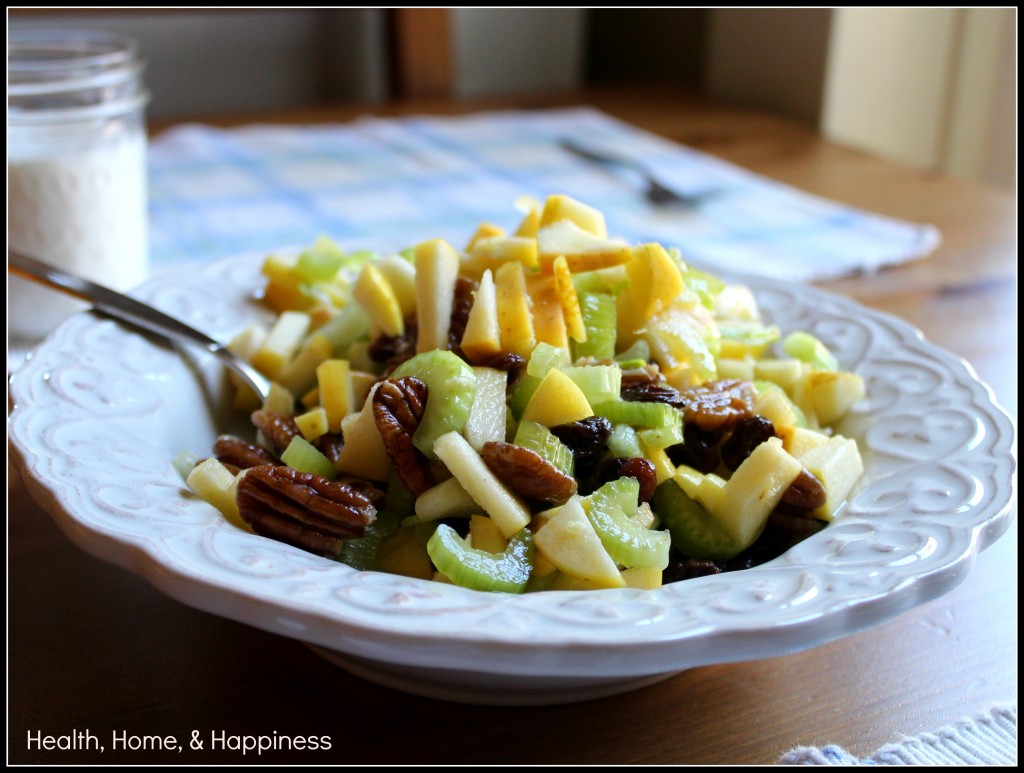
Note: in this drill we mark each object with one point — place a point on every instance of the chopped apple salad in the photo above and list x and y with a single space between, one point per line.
546 409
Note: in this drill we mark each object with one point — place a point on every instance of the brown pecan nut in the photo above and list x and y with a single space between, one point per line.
277 429
717 405
330 445
527 473
506 361
398 406
303 509
237 453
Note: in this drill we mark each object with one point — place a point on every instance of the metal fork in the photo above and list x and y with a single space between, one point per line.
654 191
125 309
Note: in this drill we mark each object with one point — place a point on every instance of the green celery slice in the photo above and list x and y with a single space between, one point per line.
624 442
636 414
522 393
598 311
302 456
538 438
809 349
545 357
468 567
321 261
696 533
599 383
664 437
639 351
627 542
345 329
451 387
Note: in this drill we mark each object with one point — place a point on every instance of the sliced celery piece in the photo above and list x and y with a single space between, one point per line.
362 553
640 350
451 387
598 311
321 261
664 437
624 442
301 455
627 542
740 338
350 325
522 393
538 438
545 357
468 567
809 349
695 532
652 415
599 383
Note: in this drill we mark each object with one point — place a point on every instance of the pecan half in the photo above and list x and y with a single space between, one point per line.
277 429
234 451
303 509
506 361
398 406
806 492
330 445
527 473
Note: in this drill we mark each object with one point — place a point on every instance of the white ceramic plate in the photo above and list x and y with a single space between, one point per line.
100 412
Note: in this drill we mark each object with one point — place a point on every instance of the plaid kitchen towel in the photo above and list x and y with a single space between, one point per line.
386 184
987 739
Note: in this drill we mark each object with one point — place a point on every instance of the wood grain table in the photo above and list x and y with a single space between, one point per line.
94 648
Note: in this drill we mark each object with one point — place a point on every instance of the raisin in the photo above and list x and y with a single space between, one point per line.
698 450
806 492
621 467
682 568
747 435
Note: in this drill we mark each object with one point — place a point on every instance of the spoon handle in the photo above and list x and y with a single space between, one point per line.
133 312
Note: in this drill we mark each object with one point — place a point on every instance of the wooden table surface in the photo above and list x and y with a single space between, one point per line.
92 647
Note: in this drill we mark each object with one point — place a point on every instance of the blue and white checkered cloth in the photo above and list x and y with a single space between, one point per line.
387 184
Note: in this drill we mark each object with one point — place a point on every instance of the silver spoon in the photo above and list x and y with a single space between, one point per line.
125 309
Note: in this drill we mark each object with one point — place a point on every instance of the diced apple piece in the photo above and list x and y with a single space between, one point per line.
784 372
557 401
774 405
561 207
834 394
279 400
736 302
514 316
663 467
679 337
570 302
482 337
362 383
299 375
486 535
484 231
374 293
642 577
508 511
445 500
214 483
799 440
732 368
530 223
754 490
569 541
548 318
401 275
363 453
281 343
502 249
487 416
245 344
838 465
334 378
655 283
437 268
582 250
312 424
404 552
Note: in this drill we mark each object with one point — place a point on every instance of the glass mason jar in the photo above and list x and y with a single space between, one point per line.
76 166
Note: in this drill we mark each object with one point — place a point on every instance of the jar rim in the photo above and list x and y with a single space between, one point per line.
48 60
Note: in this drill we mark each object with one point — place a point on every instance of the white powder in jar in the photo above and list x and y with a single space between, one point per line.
84 211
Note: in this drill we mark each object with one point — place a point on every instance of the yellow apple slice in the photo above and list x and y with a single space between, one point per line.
569 541
514 316
548 318
437 268
559 207
482 337
582 250
569 301
557 401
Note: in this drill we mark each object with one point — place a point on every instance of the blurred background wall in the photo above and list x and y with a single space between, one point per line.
933 87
